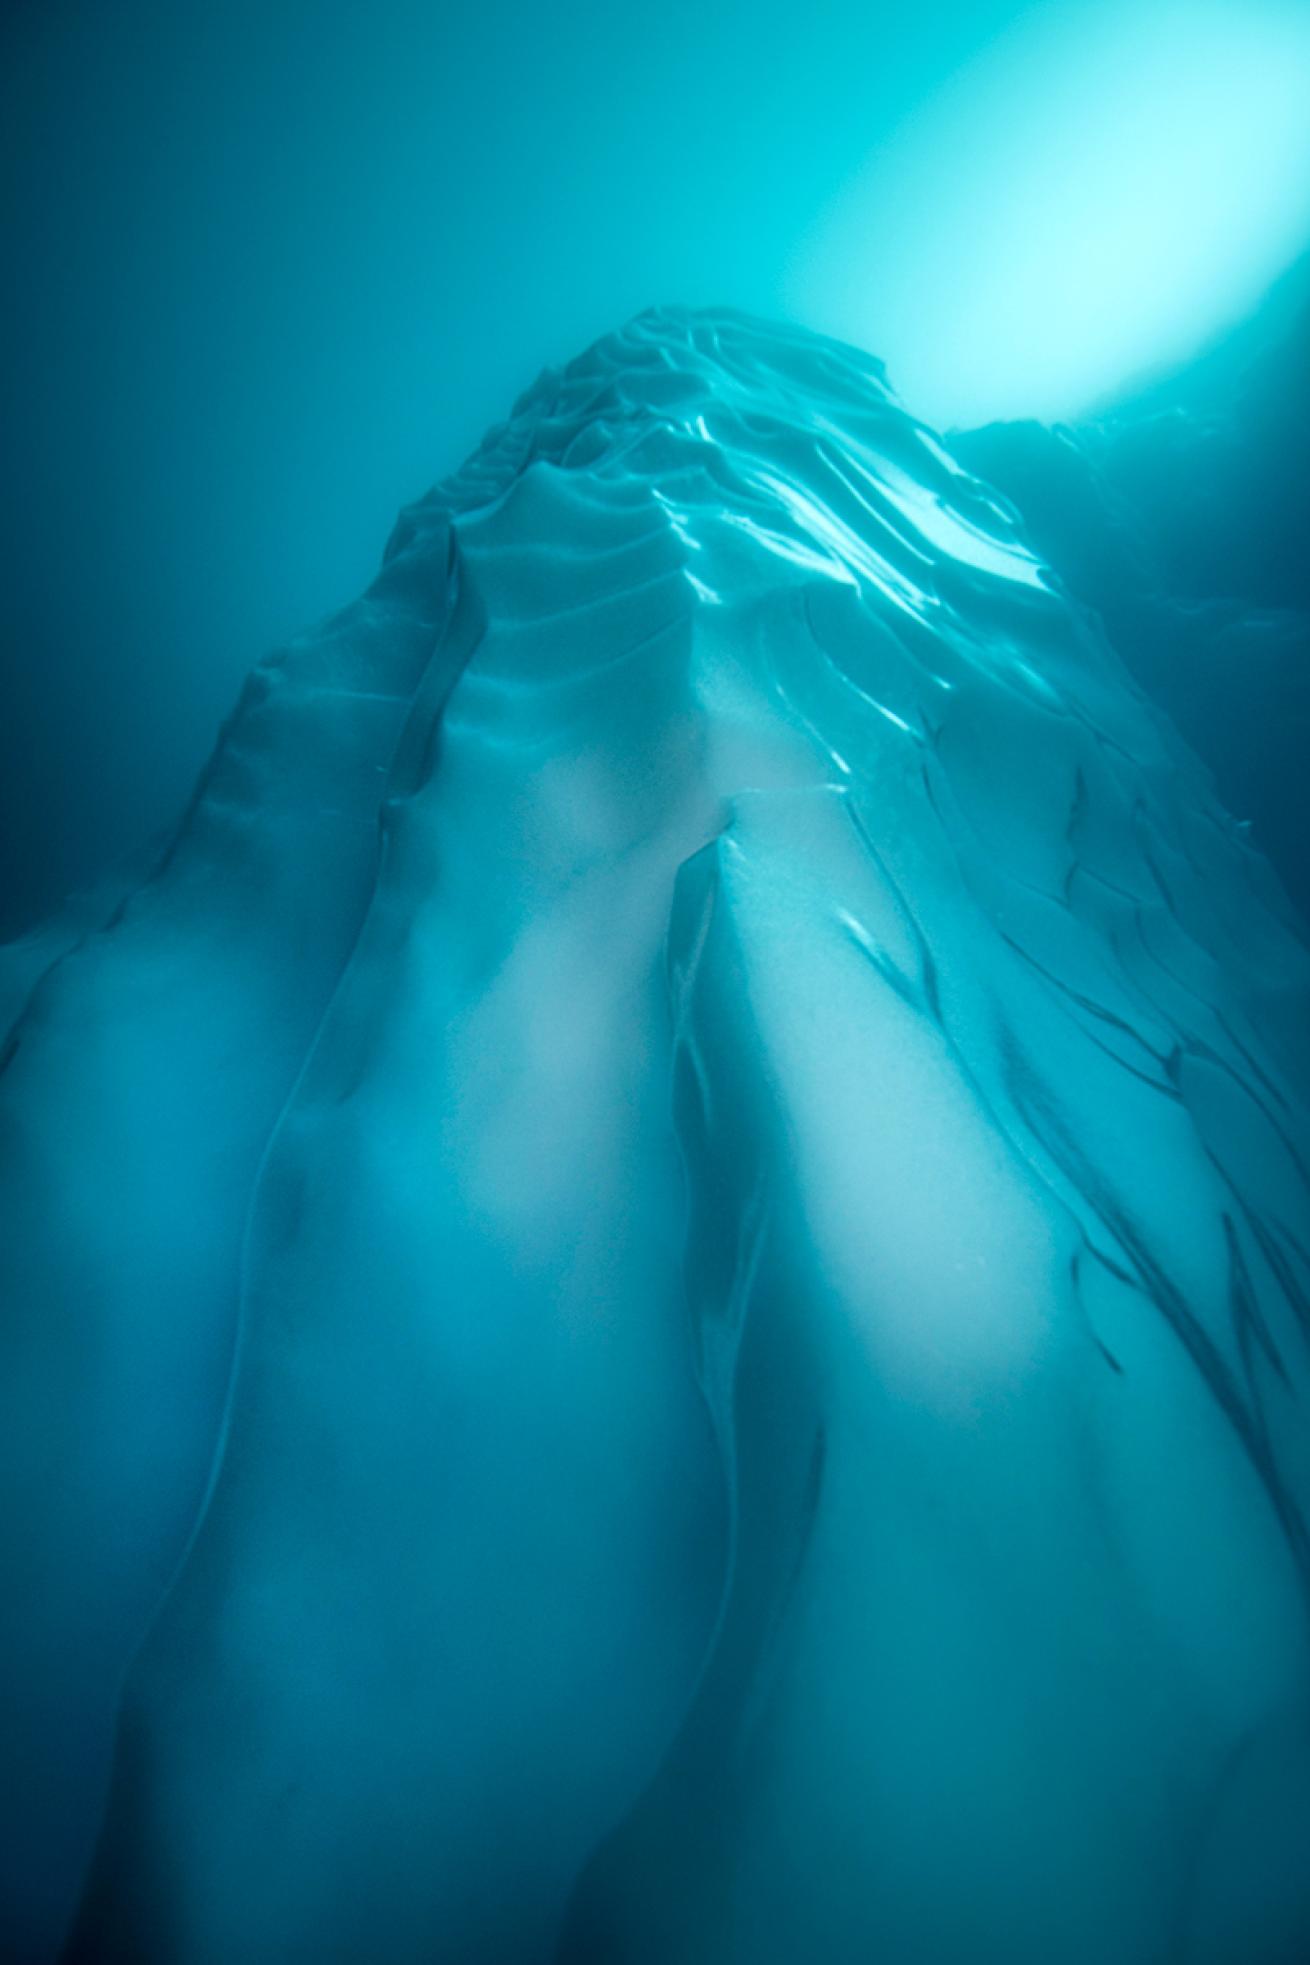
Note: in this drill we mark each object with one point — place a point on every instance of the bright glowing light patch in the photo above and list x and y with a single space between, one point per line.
1097 193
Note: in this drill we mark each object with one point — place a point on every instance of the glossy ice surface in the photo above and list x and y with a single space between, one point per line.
740 1109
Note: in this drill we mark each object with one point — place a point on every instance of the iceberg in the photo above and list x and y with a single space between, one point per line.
660 1279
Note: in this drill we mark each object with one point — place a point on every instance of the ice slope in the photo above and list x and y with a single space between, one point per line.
761 1215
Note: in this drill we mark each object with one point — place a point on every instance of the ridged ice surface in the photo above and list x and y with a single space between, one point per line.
764 1233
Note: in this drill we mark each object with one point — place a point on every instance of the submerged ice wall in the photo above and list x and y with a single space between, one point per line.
665 1264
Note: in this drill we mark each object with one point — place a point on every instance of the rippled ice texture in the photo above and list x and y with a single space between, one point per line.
740 1109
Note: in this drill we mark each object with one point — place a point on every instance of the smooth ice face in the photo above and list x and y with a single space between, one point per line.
763 1231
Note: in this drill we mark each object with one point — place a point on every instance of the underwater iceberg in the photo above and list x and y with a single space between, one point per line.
658 1286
